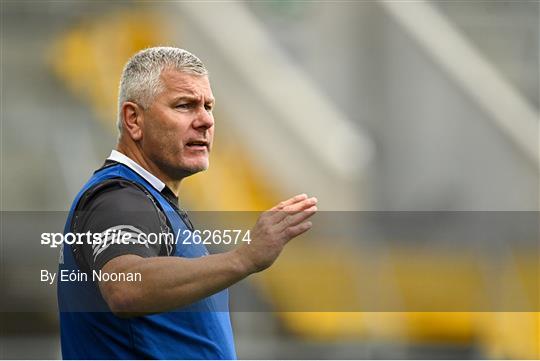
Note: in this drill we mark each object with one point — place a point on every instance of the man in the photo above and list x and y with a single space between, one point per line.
178 308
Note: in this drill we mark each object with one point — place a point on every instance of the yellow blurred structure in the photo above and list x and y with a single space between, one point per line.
89 58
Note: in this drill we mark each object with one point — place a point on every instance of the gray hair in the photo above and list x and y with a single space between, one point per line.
141 82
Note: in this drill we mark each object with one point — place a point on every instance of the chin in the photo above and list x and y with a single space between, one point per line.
183 170
196 168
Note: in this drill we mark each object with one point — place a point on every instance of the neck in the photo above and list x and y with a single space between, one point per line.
135 154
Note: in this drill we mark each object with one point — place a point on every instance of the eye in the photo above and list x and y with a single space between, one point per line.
208 108
182 106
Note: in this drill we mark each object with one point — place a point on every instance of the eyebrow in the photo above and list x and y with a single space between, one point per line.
192 98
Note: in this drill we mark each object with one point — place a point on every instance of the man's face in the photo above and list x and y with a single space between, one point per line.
178 127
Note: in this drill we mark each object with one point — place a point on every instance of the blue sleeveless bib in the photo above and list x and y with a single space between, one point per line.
90 331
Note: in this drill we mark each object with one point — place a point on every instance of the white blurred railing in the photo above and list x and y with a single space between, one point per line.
466 65
279 112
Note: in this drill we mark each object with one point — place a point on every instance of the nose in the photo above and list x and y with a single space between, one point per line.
203 119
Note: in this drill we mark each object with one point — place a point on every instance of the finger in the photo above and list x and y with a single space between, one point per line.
300 206
297 218
277 213
298 230
292 200
295 208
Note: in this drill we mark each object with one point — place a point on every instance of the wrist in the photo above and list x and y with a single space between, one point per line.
242 263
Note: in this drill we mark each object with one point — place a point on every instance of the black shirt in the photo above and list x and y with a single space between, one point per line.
124 207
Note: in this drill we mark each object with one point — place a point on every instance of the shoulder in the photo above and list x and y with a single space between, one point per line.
116 195
121 207
117 202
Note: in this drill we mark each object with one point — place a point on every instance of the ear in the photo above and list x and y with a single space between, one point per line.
132 121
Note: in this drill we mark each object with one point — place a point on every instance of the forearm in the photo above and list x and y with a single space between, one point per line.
170 282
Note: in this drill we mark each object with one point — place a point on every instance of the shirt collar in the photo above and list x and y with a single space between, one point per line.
130 163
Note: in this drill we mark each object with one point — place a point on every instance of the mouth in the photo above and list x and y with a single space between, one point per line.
197 145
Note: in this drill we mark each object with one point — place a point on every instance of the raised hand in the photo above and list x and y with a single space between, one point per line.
275 228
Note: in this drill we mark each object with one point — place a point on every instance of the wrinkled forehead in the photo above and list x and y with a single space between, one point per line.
176 82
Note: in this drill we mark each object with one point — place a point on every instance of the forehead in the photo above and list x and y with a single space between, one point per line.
180 83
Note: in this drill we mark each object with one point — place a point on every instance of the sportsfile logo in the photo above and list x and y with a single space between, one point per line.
126 234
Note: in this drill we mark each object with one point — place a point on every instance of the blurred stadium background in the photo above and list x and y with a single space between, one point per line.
371 106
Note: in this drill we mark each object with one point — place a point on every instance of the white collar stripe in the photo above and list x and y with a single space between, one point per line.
134 166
